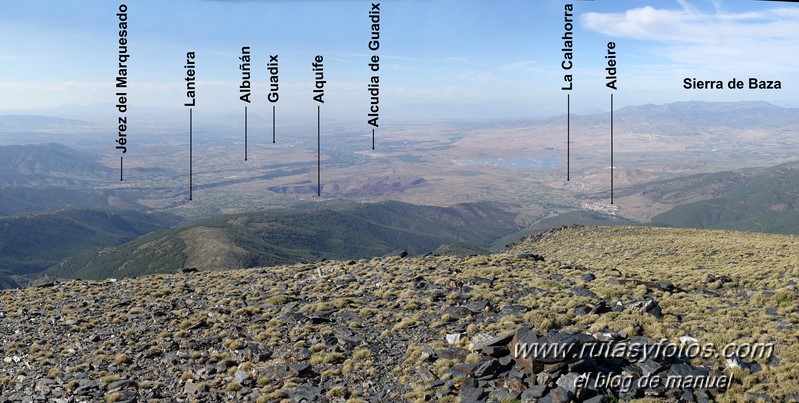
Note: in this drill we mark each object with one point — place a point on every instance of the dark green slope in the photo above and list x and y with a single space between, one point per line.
158 252
483 220
6 281
683 188
764 202
18 200
274 239
281 237
32 243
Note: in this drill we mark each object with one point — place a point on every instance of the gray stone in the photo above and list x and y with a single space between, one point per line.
600 308
453 338
503 395
648 366
190 388
595 399
458 312
496 351
471 392
513 309
240 377
649 306
560 395
495 341
702 396
487 368
684 370
426 375
451 354
300 369
464 369
583 292
124 383
568 382
428 353
304 394
479 306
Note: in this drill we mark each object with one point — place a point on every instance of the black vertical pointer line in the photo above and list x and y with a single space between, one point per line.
373 139
245 133
611 148
568 137
318 150
273 124
121 159
191 146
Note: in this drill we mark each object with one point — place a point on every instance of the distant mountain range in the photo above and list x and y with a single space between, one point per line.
723 114
47 159
25 164
37 123
692 116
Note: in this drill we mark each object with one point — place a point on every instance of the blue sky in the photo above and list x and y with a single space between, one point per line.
440 59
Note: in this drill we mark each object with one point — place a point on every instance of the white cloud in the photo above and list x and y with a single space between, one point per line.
753 41
477 77
526 65
15 57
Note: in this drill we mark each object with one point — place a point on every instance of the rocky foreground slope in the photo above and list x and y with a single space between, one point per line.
431 328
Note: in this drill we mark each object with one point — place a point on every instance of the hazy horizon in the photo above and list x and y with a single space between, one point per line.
440 60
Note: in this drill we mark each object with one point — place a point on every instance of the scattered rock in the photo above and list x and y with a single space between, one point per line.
453 338
231 336
649 306
471 392
401 253
458 312
736 362
583 292
482 341
546 376
425 375
710 278
533 256
300 369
